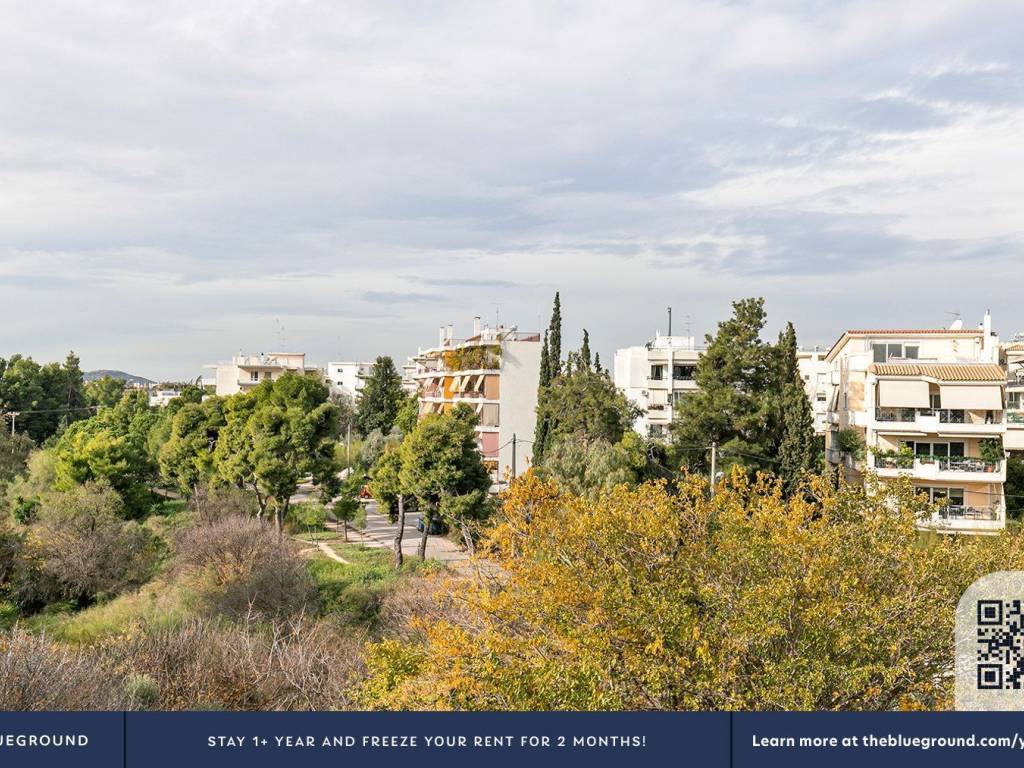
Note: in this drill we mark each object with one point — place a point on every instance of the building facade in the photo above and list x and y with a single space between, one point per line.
816 373
655 377
348 377
1013 362
496 371
928 404
245 372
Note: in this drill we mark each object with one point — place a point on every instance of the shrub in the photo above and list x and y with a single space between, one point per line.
212 503
39 675
79 548
214 664
240 566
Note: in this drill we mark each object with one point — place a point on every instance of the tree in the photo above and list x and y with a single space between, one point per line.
290 434
555 338
587 406
380 398
440 465
347 505
387 490
584 357
14 453
46 397
104 392
735 403
187 457
1014 487
797 447
408 415
645 599
588 469
540 431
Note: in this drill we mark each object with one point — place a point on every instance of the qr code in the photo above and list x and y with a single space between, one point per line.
1000 645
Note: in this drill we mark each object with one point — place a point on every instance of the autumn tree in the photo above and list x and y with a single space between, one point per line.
644 599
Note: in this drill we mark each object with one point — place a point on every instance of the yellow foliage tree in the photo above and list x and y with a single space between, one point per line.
646 599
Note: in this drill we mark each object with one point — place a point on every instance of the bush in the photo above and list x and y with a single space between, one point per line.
212 503
239 566
39 675
79 549
213 664
307 516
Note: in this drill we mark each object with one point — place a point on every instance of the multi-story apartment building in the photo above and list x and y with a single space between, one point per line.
348 377
1013 362
496 371
928 404
245 372
816 373
655 377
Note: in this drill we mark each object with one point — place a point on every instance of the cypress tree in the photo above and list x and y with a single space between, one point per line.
555 338
796 419
597 362
585 351
540 431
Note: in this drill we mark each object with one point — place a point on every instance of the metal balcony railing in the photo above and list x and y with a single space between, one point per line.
965 512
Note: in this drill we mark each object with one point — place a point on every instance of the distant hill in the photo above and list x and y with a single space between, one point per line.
128 377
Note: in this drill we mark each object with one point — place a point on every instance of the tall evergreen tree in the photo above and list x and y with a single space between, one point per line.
797 449
597 362
380 398
540 430
584 359
555 338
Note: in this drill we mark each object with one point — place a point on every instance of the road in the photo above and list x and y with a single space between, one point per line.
380 532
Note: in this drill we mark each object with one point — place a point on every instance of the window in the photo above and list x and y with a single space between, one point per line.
821 397
678 397
1015 400
657 372
656 430
884 352
683 372
952 496
254 375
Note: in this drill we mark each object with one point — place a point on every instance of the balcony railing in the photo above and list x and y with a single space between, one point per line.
945 415
1015 417
965 512
942 463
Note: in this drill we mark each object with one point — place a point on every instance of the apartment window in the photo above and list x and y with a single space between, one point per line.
885 352
656 430
678 397
1015 400
821 397
657 372
951 496
930 450
254 375
683 372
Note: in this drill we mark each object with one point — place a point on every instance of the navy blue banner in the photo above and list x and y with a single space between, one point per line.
497 740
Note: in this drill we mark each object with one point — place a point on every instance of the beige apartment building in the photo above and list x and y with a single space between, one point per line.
816 373
1013 362
928 404
245 372
496 371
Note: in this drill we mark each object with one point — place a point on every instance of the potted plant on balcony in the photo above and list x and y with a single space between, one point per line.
992 453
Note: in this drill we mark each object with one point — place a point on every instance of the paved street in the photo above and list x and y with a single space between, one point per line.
380 532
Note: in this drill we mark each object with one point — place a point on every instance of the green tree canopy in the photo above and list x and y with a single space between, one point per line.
380 399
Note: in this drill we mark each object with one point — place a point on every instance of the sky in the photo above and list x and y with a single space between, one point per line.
183 181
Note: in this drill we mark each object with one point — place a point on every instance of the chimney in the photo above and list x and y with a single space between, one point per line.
989 343
449 332
476 325
440 336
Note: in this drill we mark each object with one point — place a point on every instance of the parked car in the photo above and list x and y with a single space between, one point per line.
437 526
365 493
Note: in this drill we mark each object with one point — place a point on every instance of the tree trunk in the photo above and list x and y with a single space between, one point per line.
344 528
467 536
262 502
282 513
422 552
400 532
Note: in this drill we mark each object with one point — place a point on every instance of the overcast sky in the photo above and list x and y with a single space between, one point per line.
183 180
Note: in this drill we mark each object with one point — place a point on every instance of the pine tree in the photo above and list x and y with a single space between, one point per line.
584 358
597 362
380 398
555 338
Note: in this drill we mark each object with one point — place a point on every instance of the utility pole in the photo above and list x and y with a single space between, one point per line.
714 465
513 455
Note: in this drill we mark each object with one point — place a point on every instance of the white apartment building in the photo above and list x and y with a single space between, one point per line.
348 377
655 377
496 371
816 373
928 404
245 372
1012 358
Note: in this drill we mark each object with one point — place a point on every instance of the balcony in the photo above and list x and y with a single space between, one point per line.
1015 418
960 518
938 420
964 469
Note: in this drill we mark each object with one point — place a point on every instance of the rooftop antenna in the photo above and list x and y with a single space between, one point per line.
670 321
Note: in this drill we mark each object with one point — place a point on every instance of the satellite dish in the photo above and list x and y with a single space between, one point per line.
956 325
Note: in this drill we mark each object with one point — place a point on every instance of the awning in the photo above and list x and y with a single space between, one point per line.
903 394
972 397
